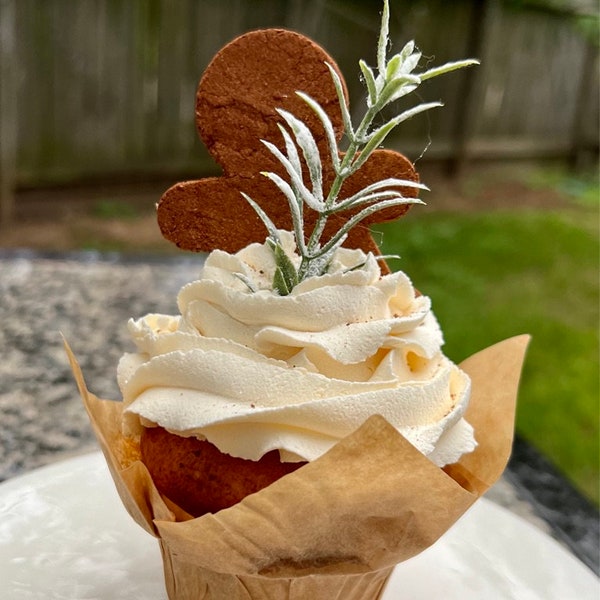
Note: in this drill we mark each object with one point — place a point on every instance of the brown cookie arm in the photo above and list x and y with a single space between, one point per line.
203 215
212 213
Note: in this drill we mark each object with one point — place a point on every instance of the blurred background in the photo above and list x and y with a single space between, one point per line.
96 120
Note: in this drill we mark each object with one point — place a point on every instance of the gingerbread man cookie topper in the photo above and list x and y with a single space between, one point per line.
272 110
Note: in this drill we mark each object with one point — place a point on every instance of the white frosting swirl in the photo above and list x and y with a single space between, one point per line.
252 371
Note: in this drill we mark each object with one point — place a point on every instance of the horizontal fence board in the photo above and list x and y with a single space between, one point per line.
106 87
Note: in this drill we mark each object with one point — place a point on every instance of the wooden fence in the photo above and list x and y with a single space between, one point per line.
105 88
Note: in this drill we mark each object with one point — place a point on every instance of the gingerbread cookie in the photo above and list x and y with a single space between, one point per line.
236 107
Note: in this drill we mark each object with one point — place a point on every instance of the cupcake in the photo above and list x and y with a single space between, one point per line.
296 430
246 384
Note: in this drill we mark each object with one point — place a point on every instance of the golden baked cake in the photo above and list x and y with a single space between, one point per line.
199 478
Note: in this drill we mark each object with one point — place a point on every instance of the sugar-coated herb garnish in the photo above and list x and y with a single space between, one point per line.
395 78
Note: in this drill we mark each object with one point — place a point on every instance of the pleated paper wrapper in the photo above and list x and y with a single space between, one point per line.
336 527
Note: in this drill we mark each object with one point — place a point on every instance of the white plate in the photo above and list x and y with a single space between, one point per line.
65 535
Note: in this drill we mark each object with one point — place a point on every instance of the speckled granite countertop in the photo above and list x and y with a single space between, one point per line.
88 298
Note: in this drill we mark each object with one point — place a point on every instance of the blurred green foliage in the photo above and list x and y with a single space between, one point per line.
113 209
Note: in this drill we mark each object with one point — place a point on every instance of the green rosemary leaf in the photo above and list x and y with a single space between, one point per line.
377 257
292 151
271 228
411 112
377 137
370 82
365 198
411 62
339 88
408 49
280 285
401 85
247 281
391 182
383 38
295 208
286 276
306 142
409 58
355 267
447 68
375 140
387 256
394 65
360 216
327 125
304 194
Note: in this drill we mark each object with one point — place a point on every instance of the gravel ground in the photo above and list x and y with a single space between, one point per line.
88 301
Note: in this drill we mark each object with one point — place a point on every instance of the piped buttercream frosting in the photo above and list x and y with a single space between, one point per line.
251 371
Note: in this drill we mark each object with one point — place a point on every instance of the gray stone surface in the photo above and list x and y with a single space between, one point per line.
88 301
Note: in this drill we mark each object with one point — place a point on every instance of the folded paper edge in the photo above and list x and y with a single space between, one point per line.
156 519
143 505
495 374
222 526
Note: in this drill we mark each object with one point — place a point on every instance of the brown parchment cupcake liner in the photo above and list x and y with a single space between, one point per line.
336 527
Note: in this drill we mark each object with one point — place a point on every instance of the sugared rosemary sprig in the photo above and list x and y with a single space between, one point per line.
395 78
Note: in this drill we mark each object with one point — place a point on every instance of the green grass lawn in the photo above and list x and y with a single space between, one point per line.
495 274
